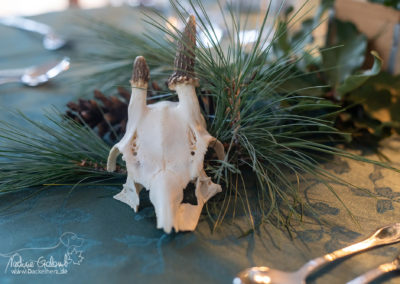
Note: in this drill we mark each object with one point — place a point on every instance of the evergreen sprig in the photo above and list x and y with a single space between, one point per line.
275 134
279 137
59 151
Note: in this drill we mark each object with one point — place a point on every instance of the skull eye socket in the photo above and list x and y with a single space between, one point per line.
189 194
211 154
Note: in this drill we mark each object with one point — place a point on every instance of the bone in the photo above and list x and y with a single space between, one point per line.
112 159
139 83
165 144
130 194
218 148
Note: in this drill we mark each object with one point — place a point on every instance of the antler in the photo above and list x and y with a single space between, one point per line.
185 57
141 73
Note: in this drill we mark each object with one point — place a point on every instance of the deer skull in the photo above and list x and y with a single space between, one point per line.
165 144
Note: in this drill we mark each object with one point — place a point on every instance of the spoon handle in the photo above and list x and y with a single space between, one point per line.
13 72
383 236
5 80
375 273
11 75
26 24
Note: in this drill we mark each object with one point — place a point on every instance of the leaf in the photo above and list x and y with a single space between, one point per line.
354 81
380 98
378 107
346 53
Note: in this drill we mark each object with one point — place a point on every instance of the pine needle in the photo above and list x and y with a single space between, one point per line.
61 151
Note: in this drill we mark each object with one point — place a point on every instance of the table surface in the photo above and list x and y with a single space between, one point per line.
105 241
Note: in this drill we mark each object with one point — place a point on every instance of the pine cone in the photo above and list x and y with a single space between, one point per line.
102 113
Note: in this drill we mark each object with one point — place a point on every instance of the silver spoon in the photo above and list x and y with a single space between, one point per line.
263 275
375 273
51 40
35 75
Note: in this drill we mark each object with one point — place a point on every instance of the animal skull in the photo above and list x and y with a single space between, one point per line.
165 144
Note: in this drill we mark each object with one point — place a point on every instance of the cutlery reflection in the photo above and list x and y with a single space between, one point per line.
35 75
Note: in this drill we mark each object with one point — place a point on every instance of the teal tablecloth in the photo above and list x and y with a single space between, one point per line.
96 239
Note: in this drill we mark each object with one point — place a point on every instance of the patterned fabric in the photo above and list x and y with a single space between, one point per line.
85 236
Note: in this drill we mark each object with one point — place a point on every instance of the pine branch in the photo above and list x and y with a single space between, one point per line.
61 151
277 134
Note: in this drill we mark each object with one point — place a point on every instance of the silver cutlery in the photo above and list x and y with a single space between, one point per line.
51 40
263 275
377 272
35 75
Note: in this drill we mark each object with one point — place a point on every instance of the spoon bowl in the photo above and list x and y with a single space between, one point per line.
36 75
53 41
265 274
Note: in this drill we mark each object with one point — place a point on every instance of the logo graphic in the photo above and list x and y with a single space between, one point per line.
56 259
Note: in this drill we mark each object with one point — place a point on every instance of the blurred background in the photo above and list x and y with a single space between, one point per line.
30 8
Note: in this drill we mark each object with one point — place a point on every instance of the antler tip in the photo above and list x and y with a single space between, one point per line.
141 73
185 56
191 21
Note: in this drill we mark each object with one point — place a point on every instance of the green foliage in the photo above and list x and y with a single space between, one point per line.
338 65
356 80
272 132
345 53
268 110
61 151
380 98
369 97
